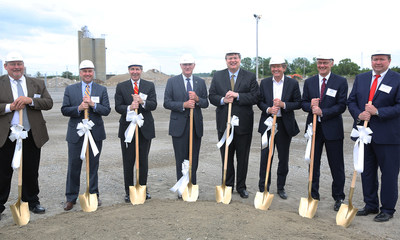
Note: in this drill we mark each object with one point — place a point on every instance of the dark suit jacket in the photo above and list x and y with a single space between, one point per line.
290 95
247 87
73 98
386 126
123 98
174 96
44 102
332 107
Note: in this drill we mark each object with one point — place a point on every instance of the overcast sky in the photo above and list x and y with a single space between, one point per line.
156 33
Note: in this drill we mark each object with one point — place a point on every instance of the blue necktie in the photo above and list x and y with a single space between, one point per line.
188 85
25 121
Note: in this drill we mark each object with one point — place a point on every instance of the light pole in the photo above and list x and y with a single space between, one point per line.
257 17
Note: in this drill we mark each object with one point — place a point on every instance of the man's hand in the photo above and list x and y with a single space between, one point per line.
279 103
314 102
189 104
364 116
273 110
371 109
20 103
83 106
137 98
88 100
193 96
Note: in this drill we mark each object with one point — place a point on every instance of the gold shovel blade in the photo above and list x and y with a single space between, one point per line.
345 215
223 194
20 213
263 200
137 194
191 193
88 202
308 207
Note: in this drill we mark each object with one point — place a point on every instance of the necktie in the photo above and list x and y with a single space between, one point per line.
188 85
87 90
233 82
322 88
136 88
373 88
25 120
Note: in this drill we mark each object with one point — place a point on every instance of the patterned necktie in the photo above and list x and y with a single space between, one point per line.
87 90
25 120
322 88
373 88
188 85
136 88
233 82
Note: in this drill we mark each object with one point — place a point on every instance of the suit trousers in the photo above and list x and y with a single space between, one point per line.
334 152
282 143
386 157
181 151
30 171
241 146
74 170
129 157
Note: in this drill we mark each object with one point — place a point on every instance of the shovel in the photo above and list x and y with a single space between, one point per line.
347 213
191 192
137 193
224 193
264 199
87 200
308 206
20 210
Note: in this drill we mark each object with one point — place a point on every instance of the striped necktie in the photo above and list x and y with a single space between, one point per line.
87 90
136 88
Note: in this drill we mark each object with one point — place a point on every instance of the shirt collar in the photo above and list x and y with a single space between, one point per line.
184 77
133 82
12 79
382 74
327 77
280 82
235 73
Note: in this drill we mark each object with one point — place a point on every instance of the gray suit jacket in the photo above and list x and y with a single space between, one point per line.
73 98
174 96
42 101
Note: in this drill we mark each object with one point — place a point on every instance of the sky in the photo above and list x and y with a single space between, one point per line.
157 32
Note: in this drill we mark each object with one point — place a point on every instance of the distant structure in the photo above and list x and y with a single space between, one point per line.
93 49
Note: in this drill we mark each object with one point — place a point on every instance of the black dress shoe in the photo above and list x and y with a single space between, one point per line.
127 199
243 193
282 194
179 197
99 202
37 209
383 217
365 211
337 204
148 196
68 206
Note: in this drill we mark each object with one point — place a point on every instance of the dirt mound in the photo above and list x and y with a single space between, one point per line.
152 75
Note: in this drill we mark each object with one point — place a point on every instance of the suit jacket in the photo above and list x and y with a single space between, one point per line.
332 105
290 95
123 98
386 126
174 96
247 87
41 100
73 98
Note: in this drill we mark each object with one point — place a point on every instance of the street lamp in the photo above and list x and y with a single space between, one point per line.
257 17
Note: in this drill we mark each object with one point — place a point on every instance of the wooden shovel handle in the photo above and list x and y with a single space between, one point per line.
87 155
310 176
228 128
271 148
137 144
190 145
20 166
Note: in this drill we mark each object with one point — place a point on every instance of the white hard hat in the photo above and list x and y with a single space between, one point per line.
187 58
277 60
14 56
232 51
380 52
135 65
325 57
86 64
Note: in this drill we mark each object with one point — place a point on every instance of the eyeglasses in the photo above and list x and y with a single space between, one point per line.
323 63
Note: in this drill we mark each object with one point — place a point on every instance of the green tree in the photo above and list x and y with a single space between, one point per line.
396 69
67 74
299 65
38 74
247 64
347 68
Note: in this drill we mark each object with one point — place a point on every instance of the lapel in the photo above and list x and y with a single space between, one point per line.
284 89
385 80
181 85
195 84
270 85
227 81
239 79
368 80
6 88
29 86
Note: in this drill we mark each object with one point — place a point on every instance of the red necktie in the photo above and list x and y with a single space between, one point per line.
373 88
136 89
322 88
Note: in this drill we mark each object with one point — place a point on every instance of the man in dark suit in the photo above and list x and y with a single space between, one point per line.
33 99
280 96
182 93
127 99
382 87
239 87
75 102
325 95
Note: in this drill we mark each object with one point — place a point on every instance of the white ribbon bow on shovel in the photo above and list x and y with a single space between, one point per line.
308 136
265 141
17 133
184 180
363 137
234 123
84 128
134 118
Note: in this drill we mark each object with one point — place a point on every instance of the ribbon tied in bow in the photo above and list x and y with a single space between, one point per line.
184 180
17 133
84 128
308 136
234 123
265 141
134 118
363 137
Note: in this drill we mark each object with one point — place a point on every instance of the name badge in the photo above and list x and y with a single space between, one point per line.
36 95
385 88
143 96
331 92
95 99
